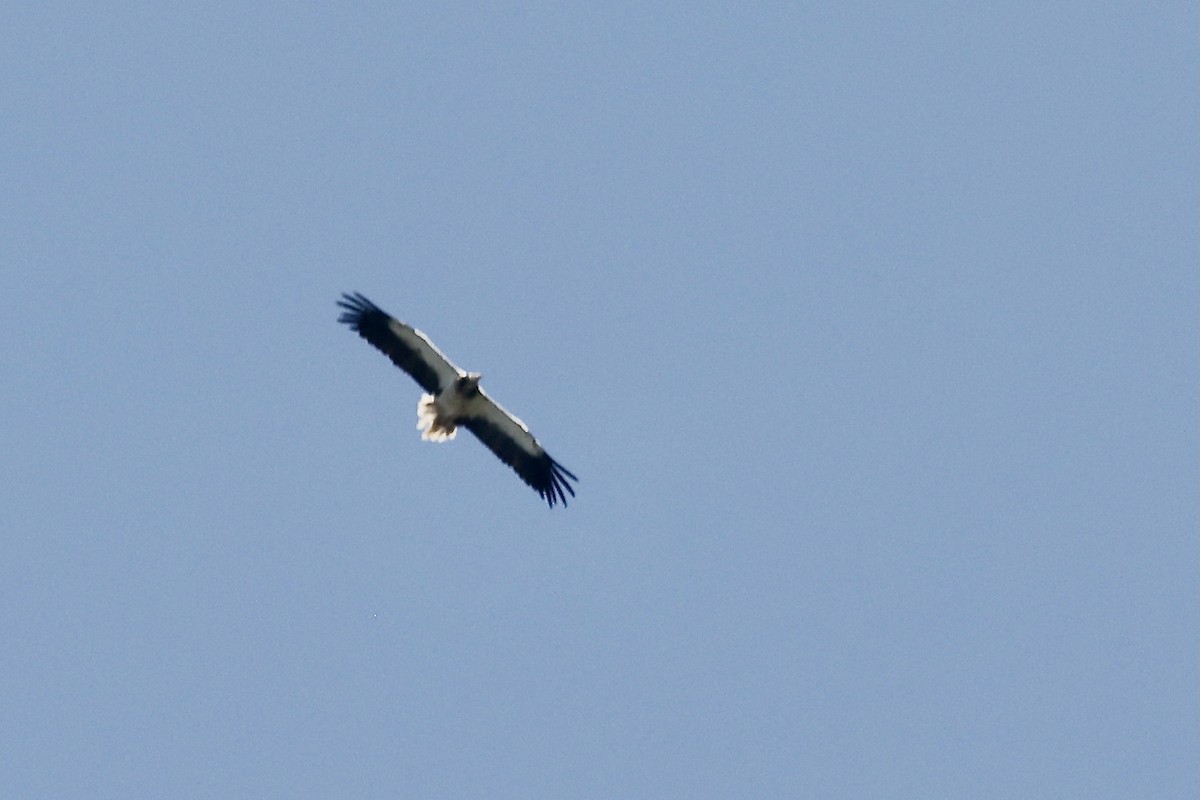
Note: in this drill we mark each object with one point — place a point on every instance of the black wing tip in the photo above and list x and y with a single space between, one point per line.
356 306
555 481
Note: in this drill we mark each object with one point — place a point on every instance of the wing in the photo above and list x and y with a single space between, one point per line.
407 347
511 441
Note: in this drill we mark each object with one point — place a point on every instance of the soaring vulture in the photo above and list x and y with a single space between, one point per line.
453 398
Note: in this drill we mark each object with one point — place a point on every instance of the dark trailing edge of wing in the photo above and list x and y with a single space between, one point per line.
372 324
547 477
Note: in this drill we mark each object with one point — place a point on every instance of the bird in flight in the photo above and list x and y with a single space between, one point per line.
454 398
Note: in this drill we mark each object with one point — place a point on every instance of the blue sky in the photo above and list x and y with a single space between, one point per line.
870 330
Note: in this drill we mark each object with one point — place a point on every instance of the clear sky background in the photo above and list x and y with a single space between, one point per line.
871 331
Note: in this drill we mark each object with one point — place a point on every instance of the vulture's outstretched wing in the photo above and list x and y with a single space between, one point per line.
407 347
511 441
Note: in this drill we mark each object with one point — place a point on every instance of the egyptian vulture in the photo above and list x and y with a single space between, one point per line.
454 398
